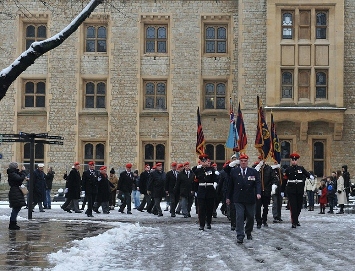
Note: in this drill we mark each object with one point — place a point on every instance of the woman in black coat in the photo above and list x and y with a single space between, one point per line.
16 197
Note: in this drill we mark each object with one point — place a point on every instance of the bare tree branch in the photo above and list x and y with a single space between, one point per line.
27 58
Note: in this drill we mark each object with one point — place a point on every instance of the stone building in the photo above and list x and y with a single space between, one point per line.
126 86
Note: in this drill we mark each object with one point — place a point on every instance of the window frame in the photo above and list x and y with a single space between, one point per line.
152 161
213 156
36 38
326 85
215 40
96 82
156 39
323 159
35 95
96 39
215 96
98 161
26 151
155 96
285 159
291 27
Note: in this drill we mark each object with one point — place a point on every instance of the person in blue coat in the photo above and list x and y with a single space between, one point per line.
243 189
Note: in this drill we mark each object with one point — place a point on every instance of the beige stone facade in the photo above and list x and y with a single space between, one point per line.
254 59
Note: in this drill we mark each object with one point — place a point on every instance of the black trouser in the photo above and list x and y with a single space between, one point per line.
146 200
90 200
174 200
296 201
127 201
231 212
205 210
264 202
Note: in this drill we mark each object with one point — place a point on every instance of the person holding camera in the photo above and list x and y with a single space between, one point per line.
16 197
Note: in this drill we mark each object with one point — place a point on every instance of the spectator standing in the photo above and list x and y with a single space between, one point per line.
341 191
331 194
323 197
135 190
39 187
346 177
16 197
310 187
114 181
49 183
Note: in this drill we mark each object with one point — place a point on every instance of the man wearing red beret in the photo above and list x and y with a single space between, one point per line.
295 176
206 176
156 186
89 185
103 191
125 184
243 189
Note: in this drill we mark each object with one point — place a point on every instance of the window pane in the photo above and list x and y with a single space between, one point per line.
150 46
26 151
101 88
150 33
287 33
221 103
149 152
42 32
321 19
90 46
89 102
90 88
101 45
209 89
30 87
161 103
287 92
90 32
210 33
101 32
39 151
160 152
149 102
161 33
221 47
210 46
100 151
221 89
89 150
287 78
100 102
221 33
321 92
149 89
40 101
285 149
161 89
209 103
28 43
220 152
321 33
41 88
161 46
29 101
287 19
30 31
319 168
210 151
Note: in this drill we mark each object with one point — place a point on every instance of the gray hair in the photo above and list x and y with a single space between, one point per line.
13 165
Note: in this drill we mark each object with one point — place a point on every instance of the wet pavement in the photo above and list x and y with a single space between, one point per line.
27 248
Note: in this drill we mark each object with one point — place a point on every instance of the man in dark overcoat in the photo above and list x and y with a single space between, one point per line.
125 185
156 186
89 185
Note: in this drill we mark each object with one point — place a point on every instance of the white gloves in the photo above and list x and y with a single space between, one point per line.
216 172
259 165
273 189
233 163
311 177
282 194
275 166
199 166
215 185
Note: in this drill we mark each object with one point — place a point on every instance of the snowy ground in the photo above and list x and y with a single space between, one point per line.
146 242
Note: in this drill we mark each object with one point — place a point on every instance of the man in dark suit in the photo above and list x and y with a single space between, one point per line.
125 184
244 188
143 183
170 182
89 185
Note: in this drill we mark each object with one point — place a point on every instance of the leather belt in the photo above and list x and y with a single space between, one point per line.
295 181
205 184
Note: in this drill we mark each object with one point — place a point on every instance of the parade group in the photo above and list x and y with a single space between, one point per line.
244 192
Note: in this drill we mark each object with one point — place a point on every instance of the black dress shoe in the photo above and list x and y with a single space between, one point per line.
140 210
240 241
90 216
129 212
42 211
160 214
266 225
185 216
294 226
201 228
174 215
232 228
258 226
249 237
122 212
78 212
298 224
209 226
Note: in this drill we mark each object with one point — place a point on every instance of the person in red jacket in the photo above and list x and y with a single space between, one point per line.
323 197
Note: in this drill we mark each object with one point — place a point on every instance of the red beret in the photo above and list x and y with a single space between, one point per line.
76 163
186 163
146 165
91 163
294 155
158 164
214 164
103 168
260 157
243 156
154 167
203 157
173 164
180 165
129 165
256 163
